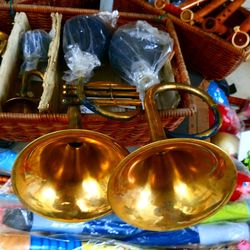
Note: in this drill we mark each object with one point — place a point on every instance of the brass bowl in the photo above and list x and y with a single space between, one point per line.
64 175
228 142
172 183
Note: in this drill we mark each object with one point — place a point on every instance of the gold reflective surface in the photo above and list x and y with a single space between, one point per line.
63 175
171 184
226 141
3 42
22 103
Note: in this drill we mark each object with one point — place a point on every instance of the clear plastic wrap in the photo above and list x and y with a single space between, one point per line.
137 52
109 226
213 234
8 199
8 156
35 47
112 227
85 42
230 120
242 190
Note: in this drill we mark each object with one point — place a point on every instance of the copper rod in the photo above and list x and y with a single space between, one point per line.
229 10
198 16
109 85
116 102
245 25
111 94
192 17
216 25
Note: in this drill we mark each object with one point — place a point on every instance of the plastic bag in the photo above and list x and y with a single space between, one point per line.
230 120
8 199
8 156
217 94
85 42
242 190
35 46
137 52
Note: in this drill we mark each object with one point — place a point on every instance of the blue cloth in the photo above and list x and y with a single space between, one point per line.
217 94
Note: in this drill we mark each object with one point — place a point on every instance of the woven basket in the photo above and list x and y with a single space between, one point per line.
26 127
206 53
87 4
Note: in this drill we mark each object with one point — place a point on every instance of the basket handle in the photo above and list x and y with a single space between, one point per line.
154 120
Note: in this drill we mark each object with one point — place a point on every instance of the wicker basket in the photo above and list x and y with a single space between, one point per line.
26 127
206 53
87 4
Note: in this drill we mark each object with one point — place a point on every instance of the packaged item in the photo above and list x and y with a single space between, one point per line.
137 52
85 42
35 47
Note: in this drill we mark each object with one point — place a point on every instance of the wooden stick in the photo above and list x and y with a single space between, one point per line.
190 3
207 9
188 15
216 25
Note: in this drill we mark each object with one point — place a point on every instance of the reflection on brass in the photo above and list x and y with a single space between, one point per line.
64 175
228 142
3 42
23 103
99 95
171 183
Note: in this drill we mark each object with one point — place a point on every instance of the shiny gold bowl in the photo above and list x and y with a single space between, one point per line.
64 175
171 183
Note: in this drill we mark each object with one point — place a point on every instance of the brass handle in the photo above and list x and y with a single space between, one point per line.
153 117
3 42
25 80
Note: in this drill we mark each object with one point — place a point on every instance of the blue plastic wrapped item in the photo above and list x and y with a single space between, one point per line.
217 94
163 239
137 52
112 227
109 226
35 46
85 42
